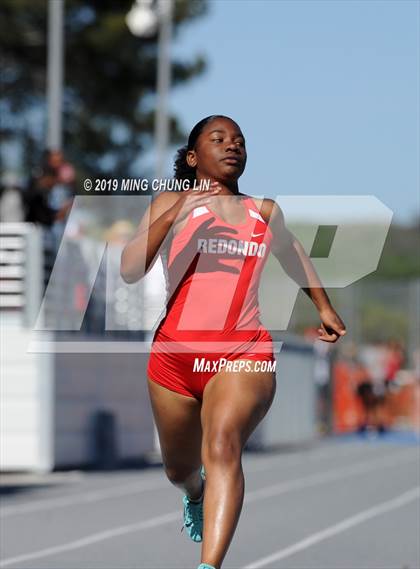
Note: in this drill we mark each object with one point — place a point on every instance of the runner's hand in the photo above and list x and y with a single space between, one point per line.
332 327
190 199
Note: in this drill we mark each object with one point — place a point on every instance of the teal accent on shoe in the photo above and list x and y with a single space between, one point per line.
193 514
193 518
205 566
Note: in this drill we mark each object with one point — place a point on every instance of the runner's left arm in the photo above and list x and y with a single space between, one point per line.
297 264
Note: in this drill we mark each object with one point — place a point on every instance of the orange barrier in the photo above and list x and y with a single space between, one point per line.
347 410
402 406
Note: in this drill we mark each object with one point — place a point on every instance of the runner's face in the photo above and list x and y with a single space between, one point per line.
220 151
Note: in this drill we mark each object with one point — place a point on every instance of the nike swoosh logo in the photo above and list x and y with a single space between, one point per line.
256 234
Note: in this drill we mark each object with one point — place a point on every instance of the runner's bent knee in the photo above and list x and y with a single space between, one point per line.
178 474
222 447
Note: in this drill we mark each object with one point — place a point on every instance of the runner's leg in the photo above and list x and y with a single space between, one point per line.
233 405
177 419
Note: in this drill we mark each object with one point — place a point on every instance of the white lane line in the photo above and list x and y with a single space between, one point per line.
329 476
252 496
347 523
145 486
95 538
85 498
24 479
330 451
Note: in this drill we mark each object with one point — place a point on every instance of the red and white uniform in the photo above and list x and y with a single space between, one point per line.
213 272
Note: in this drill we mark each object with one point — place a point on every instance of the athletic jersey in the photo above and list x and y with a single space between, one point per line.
213 272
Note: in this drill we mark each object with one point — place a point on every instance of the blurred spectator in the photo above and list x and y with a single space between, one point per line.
50 190
364 389
125 304
49 197
382 360
11 199
322 377
114 308
395 358
68 293
361 384
120 233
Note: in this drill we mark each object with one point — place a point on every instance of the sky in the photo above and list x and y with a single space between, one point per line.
326 93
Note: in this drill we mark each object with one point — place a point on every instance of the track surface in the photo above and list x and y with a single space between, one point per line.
344 503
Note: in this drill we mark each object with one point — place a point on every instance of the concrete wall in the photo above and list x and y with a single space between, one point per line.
292 416
88 383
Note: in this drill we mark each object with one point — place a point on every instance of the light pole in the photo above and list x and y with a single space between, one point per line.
55 57
163 86
142 20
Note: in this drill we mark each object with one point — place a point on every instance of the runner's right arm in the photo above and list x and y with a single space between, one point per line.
141 252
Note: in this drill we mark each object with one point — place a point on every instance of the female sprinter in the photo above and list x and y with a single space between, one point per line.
214 245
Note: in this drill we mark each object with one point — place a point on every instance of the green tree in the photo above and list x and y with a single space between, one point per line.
381 323
110 81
